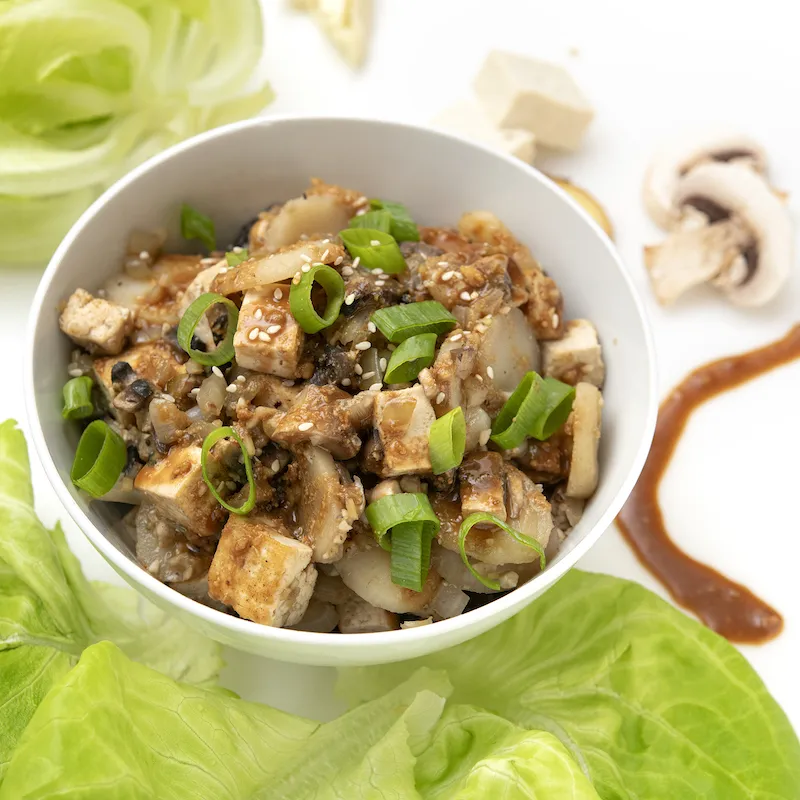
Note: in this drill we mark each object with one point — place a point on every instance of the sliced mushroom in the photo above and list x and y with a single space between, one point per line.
304 217
677 160
508 350
586 421
746 247
319 618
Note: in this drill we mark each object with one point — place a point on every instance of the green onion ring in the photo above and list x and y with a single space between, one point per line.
397 323
300 298
78 398
385 255
376 220
410 357
446 441
558 400
395 509
224 351
100 458
475 519
208 443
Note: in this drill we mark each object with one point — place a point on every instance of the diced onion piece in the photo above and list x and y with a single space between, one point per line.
78 398
224 351
208 443
300 298
410 357
476 519
397 323
99 460
447 440
384 255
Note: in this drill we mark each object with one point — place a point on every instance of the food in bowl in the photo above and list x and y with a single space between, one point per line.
346 422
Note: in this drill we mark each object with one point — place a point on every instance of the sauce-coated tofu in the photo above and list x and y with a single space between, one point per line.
96 324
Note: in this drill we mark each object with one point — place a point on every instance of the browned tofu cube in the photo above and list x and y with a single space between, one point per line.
577 357
96 324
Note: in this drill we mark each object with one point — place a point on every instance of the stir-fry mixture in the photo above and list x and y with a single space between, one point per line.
345 422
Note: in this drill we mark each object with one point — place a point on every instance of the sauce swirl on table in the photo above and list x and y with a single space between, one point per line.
726 607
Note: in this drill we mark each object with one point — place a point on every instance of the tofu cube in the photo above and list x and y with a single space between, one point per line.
96 324
469 119
268 339
536 96
175 485
403 418
575 358
262 572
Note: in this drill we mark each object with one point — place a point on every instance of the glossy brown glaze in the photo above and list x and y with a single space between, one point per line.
727 607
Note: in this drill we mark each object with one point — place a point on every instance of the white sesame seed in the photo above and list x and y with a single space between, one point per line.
288 382
356 261
382 363
346 381
194 392
443 263
455 337
277 295
480 378
276 465
490 373
361 213
273 329
259 313
368 375
363 345
376 387
483 437
347 271
75 373
296 278
263 336
232 388
440 398
350 299
237 249
380 283
361 200
305 268
326 241
464 296
555 320
474 296
371 327
217 371
378 271
240 379
448 275
168 397
305 258
358 369
223 270
305 426
338 261
253 334
325 254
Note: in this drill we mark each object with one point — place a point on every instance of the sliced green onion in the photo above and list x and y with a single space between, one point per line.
78 398
411 555
208 443
99 460
411 356
384 514
300 298
397 323
195 225
404 229
446 441
384 255
235 258
377 220
476 519
538 407
224 351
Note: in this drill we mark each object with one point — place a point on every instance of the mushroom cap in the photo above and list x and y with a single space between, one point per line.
751 203
672 163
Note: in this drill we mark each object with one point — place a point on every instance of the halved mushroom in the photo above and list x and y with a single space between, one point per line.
742 243
585 421
677 160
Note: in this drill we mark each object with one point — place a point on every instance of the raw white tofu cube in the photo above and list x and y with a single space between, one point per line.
175 485
96 324
468 119
575 358
537 96
403 419
268 339
262 572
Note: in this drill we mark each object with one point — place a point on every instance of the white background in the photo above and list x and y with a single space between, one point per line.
650 70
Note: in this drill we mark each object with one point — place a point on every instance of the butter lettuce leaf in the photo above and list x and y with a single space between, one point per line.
647 701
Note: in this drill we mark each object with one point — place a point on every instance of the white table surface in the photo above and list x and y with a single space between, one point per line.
650 69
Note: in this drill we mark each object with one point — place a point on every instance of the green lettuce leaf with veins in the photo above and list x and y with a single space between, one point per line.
49 612
648 702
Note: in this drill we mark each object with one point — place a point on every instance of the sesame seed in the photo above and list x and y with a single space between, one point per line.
305 258
483 437
232 388
440 398
358 368
368 375
263 336
363 345
305 268
382 363
259 313
455 337
347 271
144 255
296 278
253 334
273 329
380 283
378 271
168 397
325 254
356 261
361 200
241 379
346 381
361 213
276 465
444 264
75 373
194 392
480 378
237 249
223 270
288 382
555 320
371 327
217 371
338 261
376 387
305 426
350 299
490 373
474 296
448 275
277 295
464 296
326 241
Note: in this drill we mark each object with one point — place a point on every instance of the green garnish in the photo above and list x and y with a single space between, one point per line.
302 307
374 248
411 356
224 351
404 229
377 220
99 459
397 323
235 258
446 441
208 443
78 398
196 225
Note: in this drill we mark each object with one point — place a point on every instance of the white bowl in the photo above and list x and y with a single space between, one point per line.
233 172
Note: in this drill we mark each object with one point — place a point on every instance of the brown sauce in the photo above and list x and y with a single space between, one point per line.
726 607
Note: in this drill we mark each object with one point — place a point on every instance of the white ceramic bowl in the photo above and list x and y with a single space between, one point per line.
233 172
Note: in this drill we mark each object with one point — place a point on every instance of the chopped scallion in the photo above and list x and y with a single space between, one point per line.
78 398
99 459
224 351
208 443
446 441
302 307
196 225
404 229
376 249
411 555
397 323
376 220
234 259
411 356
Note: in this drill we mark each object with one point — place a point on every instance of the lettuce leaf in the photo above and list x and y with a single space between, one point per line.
647 701
49 612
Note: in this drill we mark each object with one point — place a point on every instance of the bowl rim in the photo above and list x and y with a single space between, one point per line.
352 643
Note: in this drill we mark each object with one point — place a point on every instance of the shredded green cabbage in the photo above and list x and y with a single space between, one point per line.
90 88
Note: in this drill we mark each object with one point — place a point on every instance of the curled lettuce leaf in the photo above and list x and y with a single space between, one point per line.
90 88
